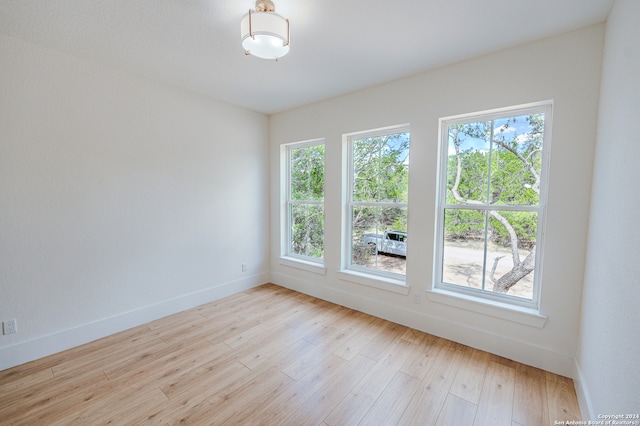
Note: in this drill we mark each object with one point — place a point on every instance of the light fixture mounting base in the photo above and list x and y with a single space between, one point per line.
265 6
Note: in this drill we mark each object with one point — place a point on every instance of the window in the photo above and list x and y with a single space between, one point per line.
305 201
377 196
491 203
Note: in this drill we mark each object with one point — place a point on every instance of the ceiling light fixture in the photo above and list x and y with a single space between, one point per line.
265 34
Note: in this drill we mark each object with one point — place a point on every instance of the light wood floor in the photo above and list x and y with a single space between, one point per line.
273 356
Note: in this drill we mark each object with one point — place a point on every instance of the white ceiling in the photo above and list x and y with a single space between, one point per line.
337 46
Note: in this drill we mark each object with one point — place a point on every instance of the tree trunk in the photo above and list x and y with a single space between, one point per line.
508 280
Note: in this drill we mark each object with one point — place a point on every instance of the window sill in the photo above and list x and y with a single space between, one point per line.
382 283
292 262
521 315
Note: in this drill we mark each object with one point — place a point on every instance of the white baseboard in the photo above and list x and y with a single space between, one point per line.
24 352
466 334
586 410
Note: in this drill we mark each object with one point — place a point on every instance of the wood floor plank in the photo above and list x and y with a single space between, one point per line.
393 401
561 397
346 328
204 380
315 409
189 410
530 406
333 342
198 394
270 355
470 376
254 334
68 402
123 407
328 326
362 336
259 388
457 411
174 361
313 309
180 320
225 306
227 328
107 354
415 336
427 402
308 361
386 336
258 391
112 342
137 359
87 402
280 341
496 401
424 353
43 398
358 402
34 379
204 328
271 304
295 395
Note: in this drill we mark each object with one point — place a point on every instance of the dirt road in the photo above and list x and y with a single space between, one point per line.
463 266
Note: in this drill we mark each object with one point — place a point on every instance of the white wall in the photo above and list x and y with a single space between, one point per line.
122 200
565 69
609 353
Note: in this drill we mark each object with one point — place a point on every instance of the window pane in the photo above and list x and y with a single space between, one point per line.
516 160
381 168
366 163
394 168
468 163
307 173
512 146
364 221
307 230
463 256
511 252
509 244
379 239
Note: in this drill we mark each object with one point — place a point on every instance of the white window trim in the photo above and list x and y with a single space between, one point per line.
365 276
514 313
376 281
303 264
306 263
494 304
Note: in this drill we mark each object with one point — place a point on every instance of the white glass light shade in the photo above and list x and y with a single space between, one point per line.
265 35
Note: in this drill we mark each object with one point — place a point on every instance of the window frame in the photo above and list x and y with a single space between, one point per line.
482 295
386 280
287 257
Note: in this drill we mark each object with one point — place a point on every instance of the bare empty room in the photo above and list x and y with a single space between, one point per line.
328 213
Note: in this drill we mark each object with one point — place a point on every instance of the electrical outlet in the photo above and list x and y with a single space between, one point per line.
10 326
244 267
416 298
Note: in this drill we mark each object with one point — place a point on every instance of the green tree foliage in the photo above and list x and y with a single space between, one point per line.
307 230
381 168
307 173
307 186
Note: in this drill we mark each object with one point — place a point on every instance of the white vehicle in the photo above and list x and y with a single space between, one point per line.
392 242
